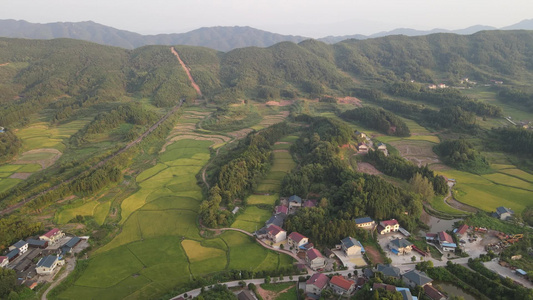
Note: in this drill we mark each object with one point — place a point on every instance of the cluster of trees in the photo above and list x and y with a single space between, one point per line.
444 98
96 180
447 117
489 288
517 96
513 140
462 155
237 177
217 292
398 167
132 114
347 194
9 145
16 227
379 119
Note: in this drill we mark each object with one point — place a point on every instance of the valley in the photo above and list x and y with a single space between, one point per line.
170 162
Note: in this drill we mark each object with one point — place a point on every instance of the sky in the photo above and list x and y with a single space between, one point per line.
312 18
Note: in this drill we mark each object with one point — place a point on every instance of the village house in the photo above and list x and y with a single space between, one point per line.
504 213
21 245
276 234
432 87
295 201
416 278
365 222
388 271
361 135
67 247
47 265
341 286
384 286
32 243
446 241
13 254
362 148
381 147
282 209
3 261
400 246
433 293
461 230
351 246
296 240
316 284
52 236
315 259
388 226
276 220
246 295
309 203
441 86
406 293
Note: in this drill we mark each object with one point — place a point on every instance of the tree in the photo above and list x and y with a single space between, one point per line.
8 282
421 185
267 279
413 258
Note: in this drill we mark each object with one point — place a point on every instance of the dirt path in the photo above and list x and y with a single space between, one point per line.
193 83
101 163
271 295
71 264
4 64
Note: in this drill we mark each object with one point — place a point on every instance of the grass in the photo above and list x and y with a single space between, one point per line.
438 204
43 135
252 219
86 209
276 287
37 156
502 178
196 252
288 295
101 212
8 183
29 168
482 193
262 199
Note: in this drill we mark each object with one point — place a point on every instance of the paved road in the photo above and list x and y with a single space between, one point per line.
102 162
71 265
259 281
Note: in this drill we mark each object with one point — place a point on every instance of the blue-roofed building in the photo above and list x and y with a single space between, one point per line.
504 213
295 201
12 255
21 245
37 243
521 272
365 222
350 246
47 265
67 247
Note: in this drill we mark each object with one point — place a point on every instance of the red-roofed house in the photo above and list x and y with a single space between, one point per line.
276 233
341 286
315 259
433 293
431 236
281 209
296 240
446 241
316 283
461 230
52 236
3 261
309 203
388 226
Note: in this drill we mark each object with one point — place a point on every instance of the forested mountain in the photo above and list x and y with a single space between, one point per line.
221 38
79 74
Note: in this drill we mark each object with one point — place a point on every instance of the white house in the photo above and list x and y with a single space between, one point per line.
295 201
388 226
52 236
47 265
296 240
21 245
276 234
316 283
3 261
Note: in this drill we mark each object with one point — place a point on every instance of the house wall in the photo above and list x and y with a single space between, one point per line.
450 249
339 290
311 288
317 263
4 263
354 250
368 224
280 237
23 249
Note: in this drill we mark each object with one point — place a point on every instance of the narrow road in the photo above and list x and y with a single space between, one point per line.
71 265
193 83
99 164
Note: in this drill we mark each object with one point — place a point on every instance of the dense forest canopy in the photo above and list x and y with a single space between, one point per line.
462 155
379 119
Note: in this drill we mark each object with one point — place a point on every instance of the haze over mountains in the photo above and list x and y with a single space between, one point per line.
222 38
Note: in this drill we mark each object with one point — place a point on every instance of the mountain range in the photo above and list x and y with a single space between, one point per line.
221 38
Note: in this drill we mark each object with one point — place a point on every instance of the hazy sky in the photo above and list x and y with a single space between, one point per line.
314 18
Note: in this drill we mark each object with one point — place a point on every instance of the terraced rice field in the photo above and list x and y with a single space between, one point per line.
267 191
159 246
490 191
